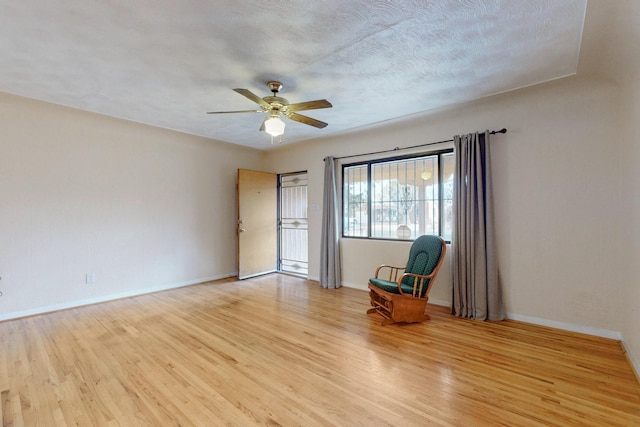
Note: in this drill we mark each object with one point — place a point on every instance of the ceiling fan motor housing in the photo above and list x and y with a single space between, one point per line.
275 101
274 86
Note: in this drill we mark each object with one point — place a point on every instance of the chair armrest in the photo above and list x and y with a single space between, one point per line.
393 272
418 283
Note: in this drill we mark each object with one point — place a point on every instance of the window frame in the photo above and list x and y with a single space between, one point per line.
441 205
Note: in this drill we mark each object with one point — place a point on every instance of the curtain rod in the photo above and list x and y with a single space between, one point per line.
493 132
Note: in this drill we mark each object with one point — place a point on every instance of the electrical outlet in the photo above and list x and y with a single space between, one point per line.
90 278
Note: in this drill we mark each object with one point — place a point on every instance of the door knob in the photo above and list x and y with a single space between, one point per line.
240 230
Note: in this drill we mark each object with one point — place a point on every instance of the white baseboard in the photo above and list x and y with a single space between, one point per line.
604 333
362 287
111 297
635 362
440 302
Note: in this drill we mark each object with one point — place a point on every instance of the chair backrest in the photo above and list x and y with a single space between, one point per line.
424 257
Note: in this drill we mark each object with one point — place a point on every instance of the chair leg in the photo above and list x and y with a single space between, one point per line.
387 321
382 313
382 307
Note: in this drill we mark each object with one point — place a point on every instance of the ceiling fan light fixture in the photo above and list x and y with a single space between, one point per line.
274 126
275 106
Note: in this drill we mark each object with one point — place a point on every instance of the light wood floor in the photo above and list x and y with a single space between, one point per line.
277 350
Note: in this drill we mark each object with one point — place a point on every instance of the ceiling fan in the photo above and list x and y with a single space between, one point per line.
275 105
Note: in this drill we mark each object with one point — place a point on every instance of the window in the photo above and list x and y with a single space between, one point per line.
399 198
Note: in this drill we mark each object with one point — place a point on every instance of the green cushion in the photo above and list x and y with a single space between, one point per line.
392 287
423 256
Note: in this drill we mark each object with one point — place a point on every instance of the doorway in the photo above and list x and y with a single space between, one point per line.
293 223
257 223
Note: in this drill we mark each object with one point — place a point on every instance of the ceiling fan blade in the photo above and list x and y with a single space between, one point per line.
255 98
307 120
262 128
239 111
310 105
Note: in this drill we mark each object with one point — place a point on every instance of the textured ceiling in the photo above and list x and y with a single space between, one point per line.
166 63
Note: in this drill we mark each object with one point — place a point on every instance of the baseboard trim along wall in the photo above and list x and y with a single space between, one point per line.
634 361
362 287
112 297
603 333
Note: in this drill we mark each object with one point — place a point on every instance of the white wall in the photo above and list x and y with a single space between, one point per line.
629 239
609 50
140 207
556 195
625 68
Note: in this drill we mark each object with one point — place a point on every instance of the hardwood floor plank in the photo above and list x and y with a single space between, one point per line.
278 350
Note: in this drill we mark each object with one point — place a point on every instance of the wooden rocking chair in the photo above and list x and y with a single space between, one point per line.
403 296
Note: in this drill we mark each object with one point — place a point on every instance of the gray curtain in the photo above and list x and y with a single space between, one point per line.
330 272
476 289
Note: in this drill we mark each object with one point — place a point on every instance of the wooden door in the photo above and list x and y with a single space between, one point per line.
257 223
